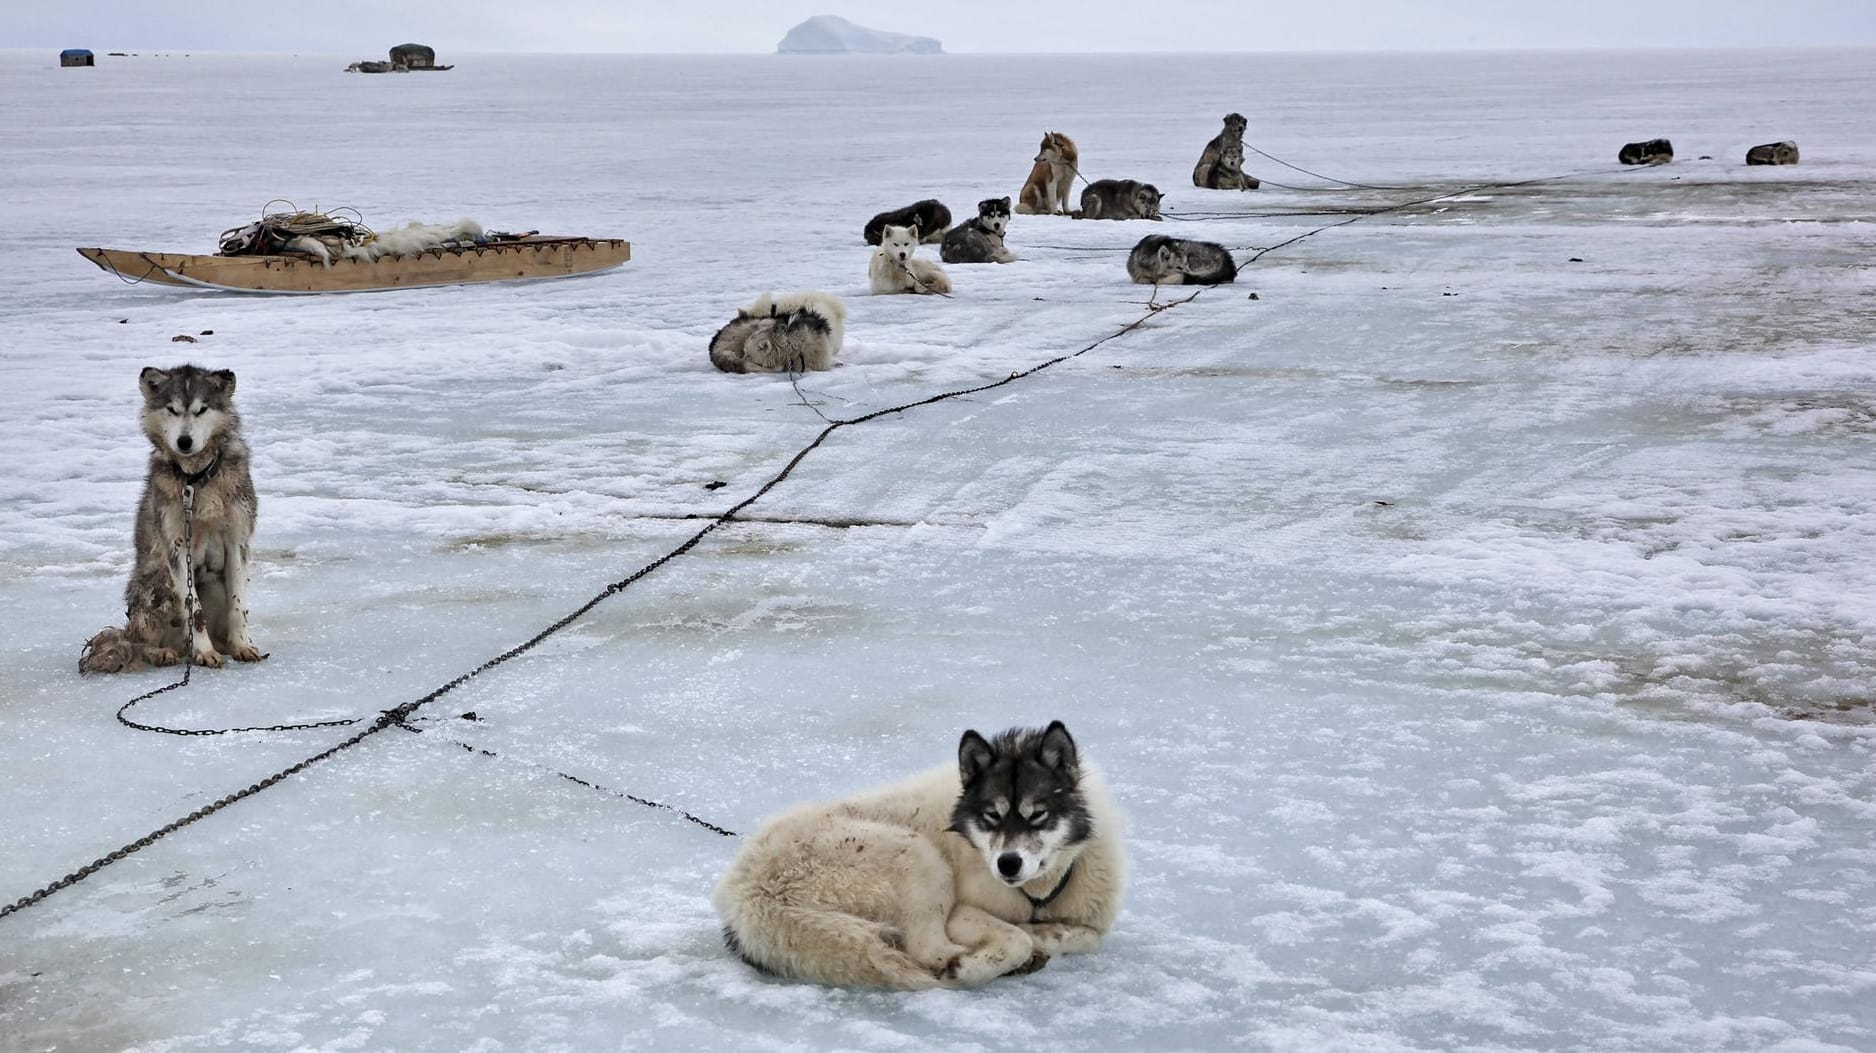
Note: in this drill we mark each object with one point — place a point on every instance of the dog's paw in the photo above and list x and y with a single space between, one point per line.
1057 938
949 970
247 652
1036 961
161 656
208 658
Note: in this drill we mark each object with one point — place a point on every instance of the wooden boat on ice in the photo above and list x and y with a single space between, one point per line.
527 258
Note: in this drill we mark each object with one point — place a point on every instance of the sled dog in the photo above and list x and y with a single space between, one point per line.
794 332
195 438
980 239
897 268
1119 199
1160 260
1050 181
1221 166
969 872
929 216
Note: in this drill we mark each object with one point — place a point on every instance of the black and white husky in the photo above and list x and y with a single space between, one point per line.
1119 199
950 879
195 439
792 332
980 239
1160 260
929 215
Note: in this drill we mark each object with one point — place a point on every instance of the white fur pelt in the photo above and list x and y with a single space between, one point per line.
412 237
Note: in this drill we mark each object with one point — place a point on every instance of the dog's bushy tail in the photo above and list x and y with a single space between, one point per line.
828 947
110 651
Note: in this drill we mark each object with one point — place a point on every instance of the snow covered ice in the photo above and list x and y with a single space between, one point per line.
1480 641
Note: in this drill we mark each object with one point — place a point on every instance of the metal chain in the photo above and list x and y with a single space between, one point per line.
203 812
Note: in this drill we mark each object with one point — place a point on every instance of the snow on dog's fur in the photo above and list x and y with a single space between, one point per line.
797 332
195 439
897 268
953 878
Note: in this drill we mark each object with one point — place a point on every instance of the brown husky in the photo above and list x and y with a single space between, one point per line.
1046 192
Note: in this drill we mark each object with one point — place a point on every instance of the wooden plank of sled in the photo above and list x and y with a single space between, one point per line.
525 259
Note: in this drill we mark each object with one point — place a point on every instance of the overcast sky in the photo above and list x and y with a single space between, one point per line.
963 25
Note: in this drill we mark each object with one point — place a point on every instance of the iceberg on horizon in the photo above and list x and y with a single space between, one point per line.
833 35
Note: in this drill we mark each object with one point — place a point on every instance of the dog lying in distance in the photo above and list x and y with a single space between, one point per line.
897 268
930 216
980 239
792 332
1160 260
1046 190
1221 166
1119 199
195 438
981 869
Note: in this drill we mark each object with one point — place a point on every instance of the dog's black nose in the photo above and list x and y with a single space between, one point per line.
183 442
1009 864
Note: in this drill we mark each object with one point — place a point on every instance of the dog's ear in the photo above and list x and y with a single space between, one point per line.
1057 750
1006 204
225 380
151 379
974 757
914 229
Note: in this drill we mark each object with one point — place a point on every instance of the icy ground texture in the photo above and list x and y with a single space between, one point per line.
1443 616
831 34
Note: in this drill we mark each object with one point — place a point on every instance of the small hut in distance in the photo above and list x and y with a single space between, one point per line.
405 58
77 57
414 56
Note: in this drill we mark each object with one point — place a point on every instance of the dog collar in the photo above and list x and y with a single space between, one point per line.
198 478
1036 903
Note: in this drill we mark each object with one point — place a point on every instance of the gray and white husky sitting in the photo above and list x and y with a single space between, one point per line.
953 878
1160 260
1119 199
1221 166
792 332
195 438
897 268
980 239
930 216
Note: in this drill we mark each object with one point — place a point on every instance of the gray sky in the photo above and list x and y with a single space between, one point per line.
963 25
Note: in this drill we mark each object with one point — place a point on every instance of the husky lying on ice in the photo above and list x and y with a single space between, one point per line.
929 216
897 268
1160 260
980 239
1052 179
1119 199
792 332
949 879
1221 166
195 438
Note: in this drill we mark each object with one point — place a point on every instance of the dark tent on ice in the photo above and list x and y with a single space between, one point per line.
76 57
413 56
